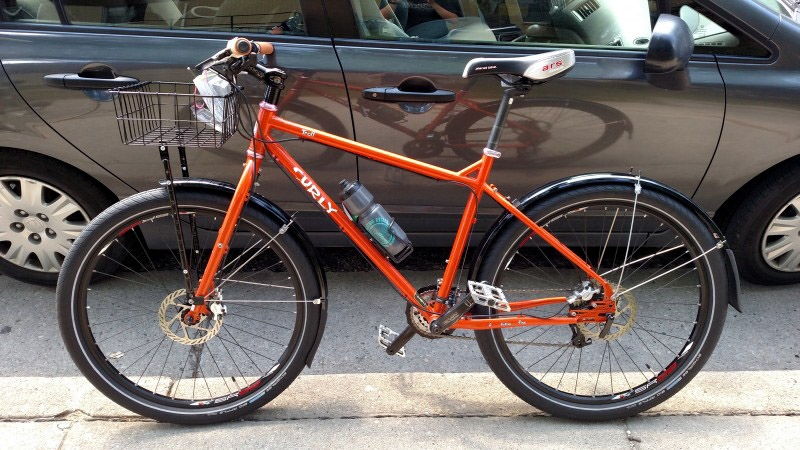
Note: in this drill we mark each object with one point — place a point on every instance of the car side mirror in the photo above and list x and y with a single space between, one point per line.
668 53
670 47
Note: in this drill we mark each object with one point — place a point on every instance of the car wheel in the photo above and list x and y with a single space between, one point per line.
43 207
764 230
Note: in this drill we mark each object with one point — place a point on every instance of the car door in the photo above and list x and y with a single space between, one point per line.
159 40
605 115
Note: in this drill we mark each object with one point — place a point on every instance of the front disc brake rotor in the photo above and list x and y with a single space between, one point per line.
624 318
172 311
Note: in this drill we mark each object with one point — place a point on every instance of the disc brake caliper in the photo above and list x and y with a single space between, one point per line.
588 304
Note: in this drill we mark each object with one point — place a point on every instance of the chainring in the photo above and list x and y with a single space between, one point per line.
416 319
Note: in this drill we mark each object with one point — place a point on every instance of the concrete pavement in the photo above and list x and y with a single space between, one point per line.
747 396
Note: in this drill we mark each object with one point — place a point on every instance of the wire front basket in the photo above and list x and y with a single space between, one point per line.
170 113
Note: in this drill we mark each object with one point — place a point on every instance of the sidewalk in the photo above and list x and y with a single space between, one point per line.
471 410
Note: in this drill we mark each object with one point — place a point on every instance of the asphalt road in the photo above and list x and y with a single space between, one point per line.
764 337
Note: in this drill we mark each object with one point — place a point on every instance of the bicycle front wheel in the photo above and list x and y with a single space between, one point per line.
122 309
671 287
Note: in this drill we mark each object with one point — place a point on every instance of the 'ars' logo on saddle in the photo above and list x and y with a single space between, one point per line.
312 189
554 65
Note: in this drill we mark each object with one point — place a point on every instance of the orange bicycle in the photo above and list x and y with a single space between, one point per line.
595 297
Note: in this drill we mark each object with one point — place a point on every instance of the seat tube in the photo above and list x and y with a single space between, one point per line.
468 218
464 228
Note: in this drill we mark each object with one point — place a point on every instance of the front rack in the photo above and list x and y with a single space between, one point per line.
162 113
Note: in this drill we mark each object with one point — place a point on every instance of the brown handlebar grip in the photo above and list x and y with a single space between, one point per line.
264 48
241 46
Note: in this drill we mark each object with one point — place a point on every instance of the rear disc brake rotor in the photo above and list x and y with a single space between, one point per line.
624 318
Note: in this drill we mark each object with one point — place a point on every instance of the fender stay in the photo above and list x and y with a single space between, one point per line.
610 178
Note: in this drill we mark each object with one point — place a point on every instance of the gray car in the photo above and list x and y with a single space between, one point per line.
724 131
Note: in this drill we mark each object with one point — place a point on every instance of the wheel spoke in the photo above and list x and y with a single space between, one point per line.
17 253
659 295
137 314
61 208
31 194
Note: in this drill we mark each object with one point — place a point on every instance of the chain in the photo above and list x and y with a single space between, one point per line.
536 290
526 343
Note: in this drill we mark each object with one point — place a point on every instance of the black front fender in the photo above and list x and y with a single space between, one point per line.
610 178
279 215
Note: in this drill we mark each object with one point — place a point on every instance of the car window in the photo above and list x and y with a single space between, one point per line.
714 35
594 23
41 11
252 16
789 8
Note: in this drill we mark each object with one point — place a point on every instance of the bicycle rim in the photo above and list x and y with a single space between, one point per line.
663 312
129 304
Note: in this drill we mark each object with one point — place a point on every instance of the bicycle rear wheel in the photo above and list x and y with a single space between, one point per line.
671 280
122 310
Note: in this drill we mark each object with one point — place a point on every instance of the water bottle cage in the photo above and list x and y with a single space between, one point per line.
399 257
374 221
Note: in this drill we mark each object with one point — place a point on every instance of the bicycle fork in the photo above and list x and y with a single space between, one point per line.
205 287
252 168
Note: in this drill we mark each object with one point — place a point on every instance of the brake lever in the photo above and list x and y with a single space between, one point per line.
218 58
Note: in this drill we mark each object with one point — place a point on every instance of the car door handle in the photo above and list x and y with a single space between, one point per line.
396 94
76 81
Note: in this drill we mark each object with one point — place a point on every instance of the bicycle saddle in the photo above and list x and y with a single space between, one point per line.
537 68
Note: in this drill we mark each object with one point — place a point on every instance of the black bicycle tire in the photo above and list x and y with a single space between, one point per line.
497 359
95 371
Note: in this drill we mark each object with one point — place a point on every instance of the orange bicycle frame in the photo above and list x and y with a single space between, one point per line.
473 177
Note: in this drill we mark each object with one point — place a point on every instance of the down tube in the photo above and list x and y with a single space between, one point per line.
334 211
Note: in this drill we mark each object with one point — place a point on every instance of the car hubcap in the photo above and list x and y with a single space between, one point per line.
780 246
38 223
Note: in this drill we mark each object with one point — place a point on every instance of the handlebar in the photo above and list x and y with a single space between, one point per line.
236 48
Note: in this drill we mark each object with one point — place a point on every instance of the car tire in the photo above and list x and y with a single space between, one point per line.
760 255
54 179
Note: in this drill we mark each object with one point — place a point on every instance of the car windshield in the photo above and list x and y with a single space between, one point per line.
789 8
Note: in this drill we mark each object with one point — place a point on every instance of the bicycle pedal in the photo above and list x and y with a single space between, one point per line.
385 338
487 295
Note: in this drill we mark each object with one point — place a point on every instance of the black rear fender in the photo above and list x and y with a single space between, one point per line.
579 181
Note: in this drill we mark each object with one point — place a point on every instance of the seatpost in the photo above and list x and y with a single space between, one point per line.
502 114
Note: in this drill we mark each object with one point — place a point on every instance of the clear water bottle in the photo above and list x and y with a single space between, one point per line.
375 221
